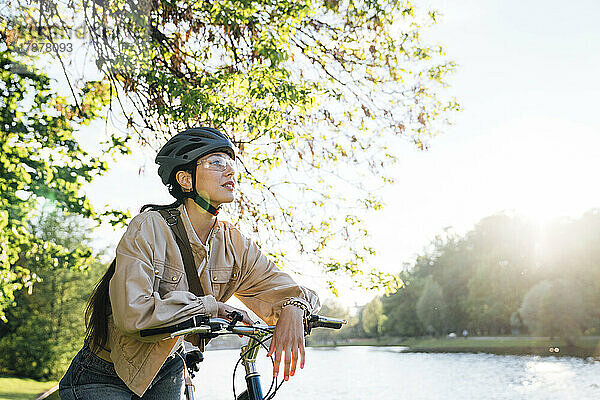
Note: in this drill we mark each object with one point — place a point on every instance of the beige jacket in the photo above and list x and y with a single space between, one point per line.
149 289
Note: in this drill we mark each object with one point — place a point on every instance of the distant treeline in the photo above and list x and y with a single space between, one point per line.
507 275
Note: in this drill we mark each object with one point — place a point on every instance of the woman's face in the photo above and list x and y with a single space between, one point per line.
215 178
212 181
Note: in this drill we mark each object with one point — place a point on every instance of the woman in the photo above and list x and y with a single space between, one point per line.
147 286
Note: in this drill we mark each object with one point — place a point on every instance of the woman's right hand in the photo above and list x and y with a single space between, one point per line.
226 309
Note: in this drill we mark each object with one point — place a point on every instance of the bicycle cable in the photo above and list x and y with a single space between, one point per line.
241 358
270 396
274 385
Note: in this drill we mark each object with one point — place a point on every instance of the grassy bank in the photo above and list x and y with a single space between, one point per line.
584 347
13 388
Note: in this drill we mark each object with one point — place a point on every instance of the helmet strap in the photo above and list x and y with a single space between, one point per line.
201 201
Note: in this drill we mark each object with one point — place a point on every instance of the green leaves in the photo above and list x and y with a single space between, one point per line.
45 326
41 161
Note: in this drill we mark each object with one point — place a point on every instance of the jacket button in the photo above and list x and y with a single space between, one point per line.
156 272
214 278
174 278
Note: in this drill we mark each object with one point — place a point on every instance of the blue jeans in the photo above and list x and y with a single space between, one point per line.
91 378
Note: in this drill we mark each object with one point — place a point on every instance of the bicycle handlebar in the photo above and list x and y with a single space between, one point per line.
216 326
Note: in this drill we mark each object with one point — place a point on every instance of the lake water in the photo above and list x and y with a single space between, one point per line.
386 373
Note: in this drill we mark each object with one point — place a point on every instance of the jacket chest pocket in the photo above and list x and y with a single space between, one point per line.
169 280
220 278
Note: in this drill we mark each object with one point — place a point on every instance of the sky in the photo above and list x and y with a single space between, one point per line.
527 140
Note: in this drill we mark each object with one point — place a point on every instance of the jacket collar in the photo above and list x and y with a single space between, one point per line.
189 229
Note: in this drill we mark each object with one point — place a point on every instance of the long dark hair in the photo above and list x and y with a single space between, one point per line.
98 309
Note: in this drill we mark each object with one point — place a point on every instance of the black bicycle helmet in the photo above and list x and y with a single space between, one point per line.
190 145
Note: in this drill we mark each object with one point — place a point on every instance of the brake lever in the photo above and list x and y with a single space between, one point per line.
235 317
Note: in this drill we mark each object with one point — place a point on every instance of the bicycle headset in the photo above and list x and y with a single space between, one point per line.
187 146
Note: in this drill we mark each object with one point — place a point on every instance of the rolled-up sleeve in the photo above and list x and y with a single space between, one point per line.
263 287
135 305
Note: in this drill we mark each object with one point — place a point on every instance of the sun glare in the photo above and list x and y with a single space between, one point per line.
545 169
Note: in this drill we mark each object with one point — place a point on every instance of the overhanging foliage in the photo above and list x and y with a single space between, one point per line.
315 95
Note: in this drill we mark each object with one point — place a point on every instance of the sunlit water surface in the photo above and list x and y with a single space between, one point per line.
386 373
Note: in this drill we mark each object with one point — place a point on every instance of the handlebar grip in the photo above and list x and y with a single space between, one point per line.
189 323
317 321
328 324
158 331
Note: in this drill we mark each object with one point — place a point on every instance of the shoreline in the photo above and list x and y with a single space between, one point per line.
585 347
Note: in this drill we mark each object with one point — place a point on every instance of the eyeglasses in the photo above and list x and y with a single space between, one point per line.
218 163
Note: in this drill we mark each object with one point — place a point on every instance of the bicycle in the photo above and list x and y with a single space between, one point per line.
258 334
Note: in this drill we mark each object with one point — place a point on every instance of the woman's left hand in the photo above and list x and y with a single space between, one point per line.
289 339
